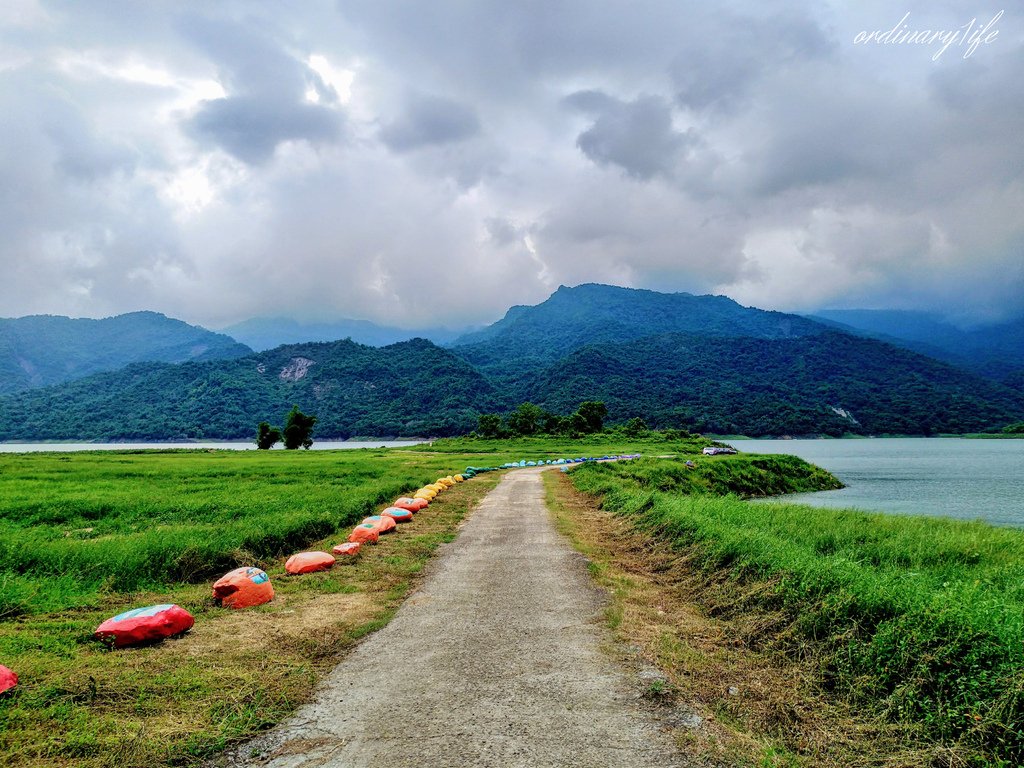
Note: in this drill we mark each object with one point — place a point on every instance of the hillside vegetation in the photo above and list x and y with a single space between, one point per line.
412 388
830 383
995 351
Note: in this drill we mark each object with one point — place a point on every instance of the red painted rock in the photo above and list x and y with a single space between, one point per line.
349 548
145 625
7 679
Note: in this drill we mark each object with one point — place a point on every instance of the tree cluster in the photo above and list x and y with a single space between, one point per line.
297 432
528 419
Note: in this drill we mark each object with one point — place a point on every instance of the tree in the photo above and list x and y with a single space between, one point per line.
526 419
490 425
298 429
589 417
635 427
267 436
553 424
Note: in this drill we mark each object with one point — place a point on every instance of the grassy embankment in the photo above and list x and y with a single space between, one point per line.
915 621
84 536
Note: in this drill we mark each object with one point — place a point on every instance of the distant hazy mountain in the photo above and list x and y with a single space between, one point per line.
262 333
588 314
995 351
407 389
40 350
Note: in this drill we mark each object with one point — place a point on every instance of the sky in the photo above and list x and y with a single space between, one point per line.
423 164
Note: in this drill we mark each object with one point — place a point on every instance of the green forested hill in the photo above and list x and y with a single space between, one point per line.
737 370
591 314
411 388
773 386
994 351
40 350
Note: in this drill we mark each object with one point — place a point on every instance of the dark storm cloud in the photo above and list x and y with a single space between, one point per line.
637 136
267 86
251 127
421 164
429 121
725 54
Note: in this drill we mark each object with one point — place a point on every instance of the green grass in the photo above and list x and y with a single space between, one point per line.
917 619
76 527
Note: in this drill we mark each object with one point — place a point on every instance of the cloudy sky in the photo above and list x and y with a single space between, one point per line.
434 163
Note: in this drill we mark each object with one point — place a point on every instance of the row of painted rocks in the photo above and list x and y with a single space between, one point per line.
248 586
558 462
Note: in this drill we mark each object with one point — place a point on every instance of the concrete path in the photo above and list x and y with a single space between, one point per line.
495 661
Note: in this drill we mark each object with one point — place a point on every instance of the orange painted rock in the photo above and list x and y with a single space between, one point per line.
384 524
398 515
243 588
349 548
307 562
413 505
145 625
364 534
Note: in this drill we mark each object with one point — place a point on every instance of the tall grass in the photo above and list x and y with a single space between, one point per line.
920 619
76 526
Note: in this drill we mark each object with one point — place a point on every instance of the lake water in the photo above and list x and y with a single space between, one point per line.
948 477
322 445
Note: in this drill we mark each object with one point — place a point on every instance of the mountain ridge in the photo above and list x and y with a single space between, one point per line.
41 350
593 313
263 333
994 351
737 369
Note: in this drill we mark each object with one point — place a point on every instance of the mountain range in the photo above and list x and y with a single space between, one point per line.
263 333
41 350
703 363
993 351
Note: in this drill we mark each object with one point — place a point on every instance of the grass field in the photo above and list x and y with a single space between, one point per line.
918 620
908 619
84 536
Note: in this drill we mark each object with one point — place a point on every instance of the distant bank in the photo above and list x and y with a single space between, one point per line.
237 445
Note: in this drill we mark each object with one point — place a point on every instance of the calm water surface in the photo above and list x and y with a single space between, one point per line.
948 477
229 446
